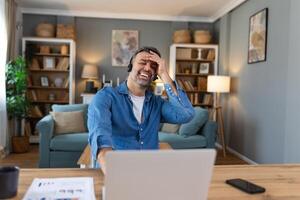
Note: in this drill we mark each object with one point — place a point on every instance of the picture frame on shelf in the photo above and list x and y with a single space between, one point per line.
158 89
48 62
257 41
44 81
204 68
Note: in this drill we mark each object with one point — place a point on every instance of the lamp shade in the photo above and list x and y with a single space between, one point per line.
90 72
219 84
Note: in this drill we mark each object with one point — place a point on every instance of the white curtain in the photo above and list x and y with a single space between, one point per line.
3 56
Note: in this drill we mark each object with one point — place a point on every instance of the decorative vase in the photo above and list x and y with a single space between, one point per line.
58 82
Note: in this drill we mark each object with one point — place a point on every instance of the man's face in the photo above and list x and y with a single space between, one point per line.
143 70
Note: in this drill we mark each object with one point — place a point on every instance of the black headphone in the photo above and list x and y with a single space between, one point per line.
142 49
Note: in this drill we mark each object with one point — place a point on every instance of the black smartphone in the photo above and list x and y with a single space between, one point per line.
246 186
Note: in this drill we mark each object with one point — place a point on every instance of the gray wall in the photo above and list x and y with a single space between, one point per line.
93 42
292 137
259 108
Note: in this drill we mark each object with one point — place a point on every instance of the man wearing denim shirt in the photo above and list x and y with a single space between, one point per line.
128 116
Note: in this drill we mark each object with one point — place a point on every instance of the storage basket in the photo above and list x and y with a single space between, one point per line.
65 31
45 30
202 37
182 36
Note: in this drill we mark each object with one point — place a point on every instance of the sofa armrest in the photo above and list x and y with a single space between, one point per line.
210 132
45 128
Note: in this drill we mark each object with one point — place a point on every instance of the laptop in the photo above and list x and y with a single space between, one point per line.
158 175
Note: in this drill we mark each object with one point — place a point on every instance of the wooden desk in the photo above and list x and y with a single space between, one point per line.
282 182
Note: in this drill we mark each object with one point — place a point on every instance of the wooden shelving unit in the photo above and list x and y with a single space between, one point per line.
190 65
51 76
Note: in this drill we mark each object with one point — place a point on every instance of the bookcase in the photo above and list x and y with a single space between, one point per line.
190 65
51 76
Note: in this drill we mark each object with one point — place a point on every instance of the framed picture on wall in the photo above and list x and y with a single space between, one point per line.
257 42
124 44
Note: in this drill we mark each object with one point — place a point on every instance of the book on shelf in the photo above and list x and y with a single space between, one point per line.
34 64
211 55
191 87
208 100
192 98
66 83
188 85
202 83
196 99
180 83
63 64
33 95
34 111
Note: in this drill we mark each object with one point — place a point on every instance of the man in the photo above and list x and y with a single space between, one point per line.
129 116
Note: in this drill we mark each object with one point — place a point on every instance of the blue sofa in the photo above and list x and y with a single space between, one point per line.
61 150
64 150
198 133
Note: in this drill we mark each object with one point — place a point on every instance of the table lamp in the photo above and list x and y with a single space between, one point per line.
219 84
89 72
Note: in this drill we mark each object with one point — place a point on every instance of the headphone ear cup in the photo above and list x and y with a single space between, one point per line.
129 67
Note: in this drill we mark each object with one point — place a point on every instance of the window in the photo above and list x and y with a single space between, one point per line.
3 46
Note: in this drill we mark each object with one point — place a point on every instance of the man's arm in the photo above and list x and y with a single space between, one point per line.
162 71
99 124
178 109
101 158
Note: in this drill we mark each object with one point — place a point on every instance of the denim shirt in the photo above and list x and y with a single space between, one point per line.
112 123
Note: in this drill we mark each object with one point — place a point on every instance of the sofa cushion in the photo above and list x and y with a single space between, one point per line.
192 127
170 128
69 142
72 107
68 122
180 142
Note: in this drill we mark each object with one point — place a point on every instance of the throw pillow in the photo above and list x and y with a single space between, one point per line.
170 128
68 122
71 108
192 127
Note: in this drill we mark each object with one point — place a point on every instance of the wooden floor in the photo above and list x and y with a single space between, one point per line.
30 159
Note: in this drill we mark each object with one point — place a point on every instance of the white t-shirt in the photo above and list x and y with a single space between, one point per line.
138 102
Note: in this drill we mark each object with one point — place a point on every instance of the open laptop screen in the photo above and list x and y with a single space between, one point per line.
155 175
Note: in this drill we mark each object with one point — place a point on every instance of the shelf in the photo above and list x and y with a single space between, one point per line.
203 104
196 91
52 54
193 60
47 88
49 70
51 102
183 74
34 117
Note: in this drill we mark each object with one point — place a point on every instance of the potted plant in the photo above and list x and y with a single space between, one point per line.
16 101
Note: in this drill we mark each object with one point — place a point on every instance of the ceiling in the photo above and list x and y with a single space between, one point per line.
163 10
